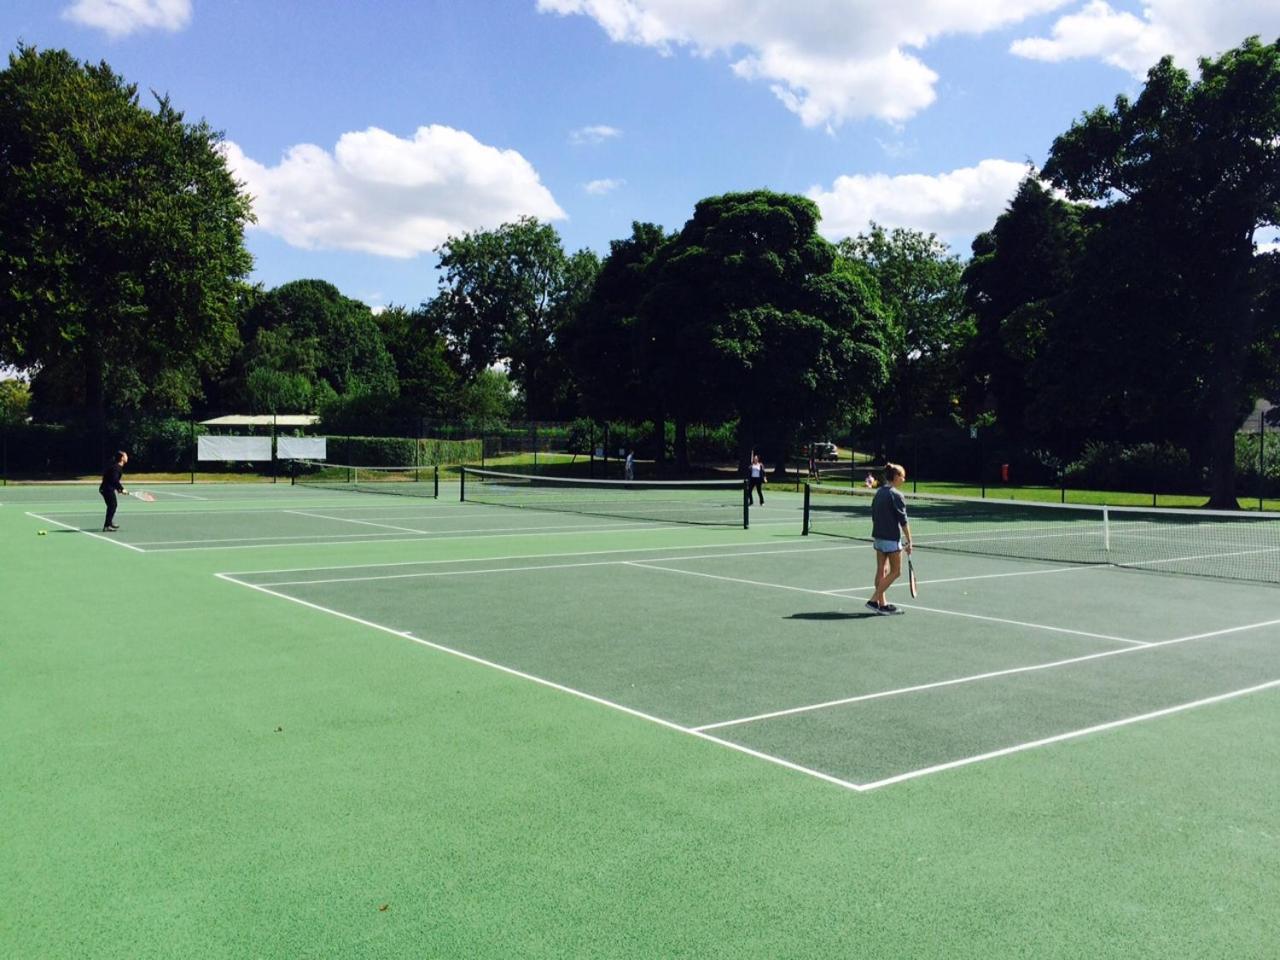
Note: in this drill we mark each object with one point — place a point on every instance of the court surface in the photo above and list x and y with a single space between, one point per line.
1075 757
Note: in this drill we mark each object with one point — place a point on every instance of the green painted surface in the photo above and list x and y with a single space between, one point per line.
196 769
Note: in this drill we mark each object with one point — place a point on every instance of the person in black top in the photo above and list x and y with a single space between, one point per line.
890 534
110 486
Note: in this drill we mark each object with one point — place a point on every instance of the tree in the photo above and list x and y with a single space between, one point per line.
602 339
1017 285
927 325
424 366
750 310
1196 164
15 401
121 236
504 295
309 329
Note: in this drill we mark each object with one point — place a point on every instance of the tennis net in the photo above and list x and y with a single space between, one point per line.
704 502
1205 543
405 481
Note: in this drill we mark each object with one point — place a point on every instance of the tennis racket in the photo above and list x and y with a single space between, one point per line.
143 495
911 578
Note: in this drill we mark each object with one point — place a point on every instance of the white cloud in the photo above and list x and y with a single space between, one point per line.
598 188
1185 28
119 18
391 196
956 206
828 61
594 134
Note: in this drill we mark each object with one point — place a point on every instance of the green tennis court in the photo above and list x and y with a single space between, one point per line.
389 725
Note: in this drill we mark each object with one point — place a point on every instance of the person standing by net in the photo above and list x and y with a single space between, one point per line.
890 535
629 466
756 478
112 484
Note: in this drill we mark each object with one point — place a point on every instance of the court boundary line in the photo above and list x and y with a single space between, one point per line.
839 594
972 678
1069 735
549 531
87 533
800 548
367 523
551 684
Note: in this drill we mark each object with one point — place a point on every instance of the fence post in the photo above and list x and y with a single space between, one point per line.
1262 457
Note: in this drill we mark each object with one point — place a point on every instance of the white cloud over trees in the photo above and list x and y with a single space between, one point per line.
391 196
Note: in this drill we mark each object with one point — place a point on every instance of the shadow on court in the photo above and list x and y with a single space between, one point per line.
831 615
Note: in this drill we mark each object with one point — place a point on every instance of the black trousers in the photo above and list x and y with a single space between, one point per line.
110 497
756 484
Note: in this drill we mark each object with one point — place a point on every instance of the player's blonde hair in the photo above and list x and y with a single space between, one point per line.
895 472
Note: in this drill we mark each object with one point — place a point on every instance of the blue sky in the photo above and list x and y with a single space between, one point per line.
368 132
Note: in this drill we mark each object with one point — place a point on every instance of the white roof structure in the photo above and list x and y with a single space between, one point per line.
264 420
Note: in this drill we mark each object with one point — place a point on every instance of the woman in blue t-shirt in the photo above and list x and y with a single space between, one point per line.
890 535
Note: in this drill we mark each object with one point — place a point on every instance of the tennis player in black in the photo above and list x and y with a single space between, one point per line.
110 486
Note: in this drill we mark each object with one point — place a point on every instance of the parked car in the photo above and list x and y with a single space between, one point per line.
824 450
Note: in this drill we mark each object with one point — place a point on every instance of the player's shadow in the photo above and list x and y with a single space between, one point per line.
831 615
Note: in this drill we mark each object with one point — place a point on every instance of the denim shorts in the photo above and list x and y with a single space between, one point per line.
887 546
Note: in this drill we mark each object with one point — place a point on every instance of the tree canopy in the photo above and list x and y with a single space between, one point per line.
1189 172
121 236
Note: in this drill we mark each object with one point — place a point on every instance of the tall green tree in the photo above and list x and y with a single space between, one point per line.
927 325
121 236
751 311
505 294
308 328
1017 286
1197 164
425 370
602 340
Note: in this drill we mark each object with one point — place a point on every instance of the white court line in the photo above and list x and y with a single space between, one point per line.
185 496
87 533
670 725
548 531
987 576
949 613
367 523
1069 735
541 556
544 566
984 676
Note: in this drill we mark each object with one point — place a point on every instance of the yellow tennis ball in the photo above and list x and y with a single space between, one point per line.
41 533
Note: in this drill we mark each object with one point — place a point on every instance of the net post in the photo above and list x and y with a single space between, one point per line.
746 504
435 481
804 529
1106 530
462 484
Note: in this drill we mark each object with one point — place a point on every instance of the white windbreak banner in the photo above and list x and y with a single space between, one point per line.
301 448
233 448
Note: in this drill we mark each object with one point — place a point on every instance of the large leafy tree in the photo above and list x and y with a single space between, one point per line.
121 237
504 294
1196 165
1017 286
927 325
307 329
751 311
602 340
428 381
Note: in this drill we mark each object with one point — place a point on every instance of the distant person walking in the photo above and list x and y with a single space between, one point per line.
756 478
111 485
629 466
890 535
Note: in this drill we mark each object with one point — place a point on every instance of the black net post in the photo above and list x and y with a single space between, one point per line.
1262 456
462 477
746 504
804 530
